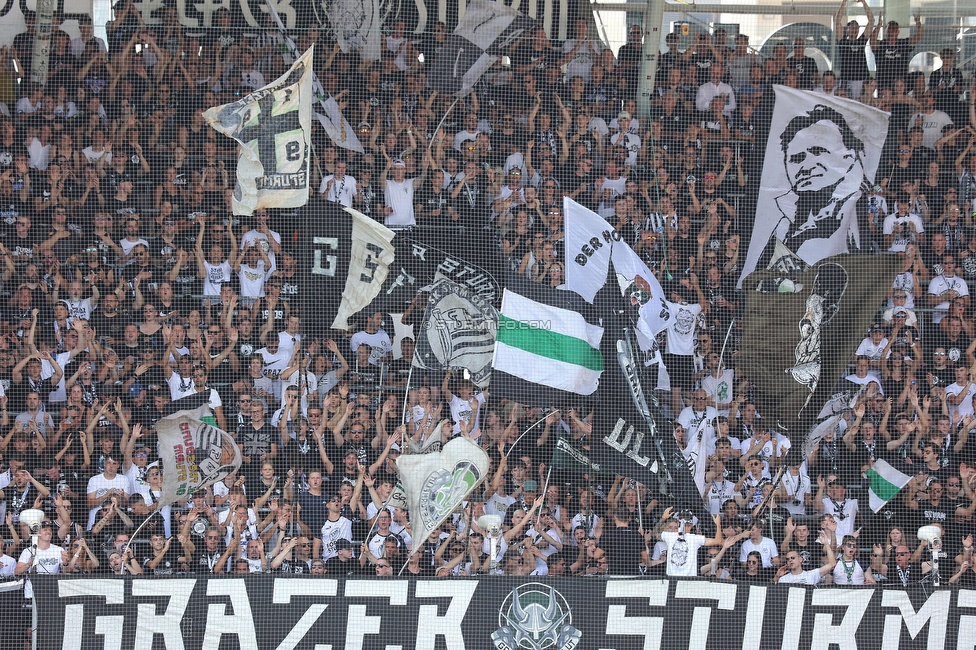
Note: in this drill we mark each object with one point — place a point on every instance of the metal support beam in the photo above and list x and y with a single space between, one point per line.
651 52
796 9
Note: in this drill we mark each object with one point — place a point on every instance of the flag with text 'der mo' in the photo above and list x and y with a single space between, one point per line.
273 126
545 351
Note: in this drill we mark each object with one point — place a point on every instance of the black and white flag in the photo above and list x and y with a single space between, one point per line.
821 155
370 257
274 126
357 26
458 331
485 32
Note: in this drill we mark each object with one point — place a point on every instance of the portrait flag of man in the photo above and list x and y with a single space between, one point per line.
274 127
822 155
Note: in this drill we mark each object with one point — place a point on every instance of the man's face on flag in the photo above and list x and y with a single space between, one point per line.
817 158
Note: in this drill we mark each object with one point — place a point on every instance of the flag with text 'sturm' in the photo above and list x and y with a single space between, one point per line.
273 125
801 330
545 350
885 483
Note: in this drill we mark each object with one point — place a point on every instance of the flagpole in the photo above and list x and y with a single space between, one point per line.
721 357
441 123
545 487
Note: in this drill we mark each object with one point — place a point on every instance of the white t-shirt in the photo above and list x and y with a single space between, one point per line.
100 485
965 407
868 349
461 410
379 343
939 285
844 512
179 386
720 389
811 577
216 276
252 279
261 240
48 562
681 327
682 553
341 191
840 573
331 533
766 548
7 565
399 196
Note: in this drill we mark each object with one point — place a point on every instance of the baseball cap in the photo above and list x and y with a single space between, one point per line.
135 389
901 311
343 544
530 486
399 163
623 115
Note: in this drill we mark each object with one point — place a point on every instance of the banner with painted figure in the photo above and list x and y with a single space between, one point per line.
274 127
811 323
458 331
436 483
821 157
194 453
484 33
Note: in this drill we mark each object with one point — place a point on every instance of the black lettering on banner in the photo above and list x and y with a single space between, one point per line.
370 263
268 612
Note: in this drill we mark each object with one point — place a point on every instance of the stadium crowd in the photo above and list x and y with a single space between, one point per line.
129 284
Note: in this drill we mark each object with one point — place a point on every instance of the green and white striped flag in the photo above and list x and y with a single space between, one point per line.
544 352
886 482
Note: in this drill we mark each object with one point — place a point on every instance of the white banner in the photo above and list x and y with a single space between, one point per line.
338 128
821 156
370 257
436 483
273 126
194 453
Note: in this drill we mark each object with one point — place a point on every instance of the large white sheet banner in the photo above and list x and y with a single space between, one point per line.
821 156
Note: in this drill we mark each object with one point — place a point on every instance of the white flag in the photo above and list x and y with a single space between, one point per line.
338 128
274 126
485 32
369 264
821 156
436 483
194 453
357 26
589 240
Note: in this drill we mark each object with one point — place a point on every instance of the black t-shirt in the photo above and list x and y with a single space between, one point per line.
892 60
169 564
853 61
336 567
623 547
